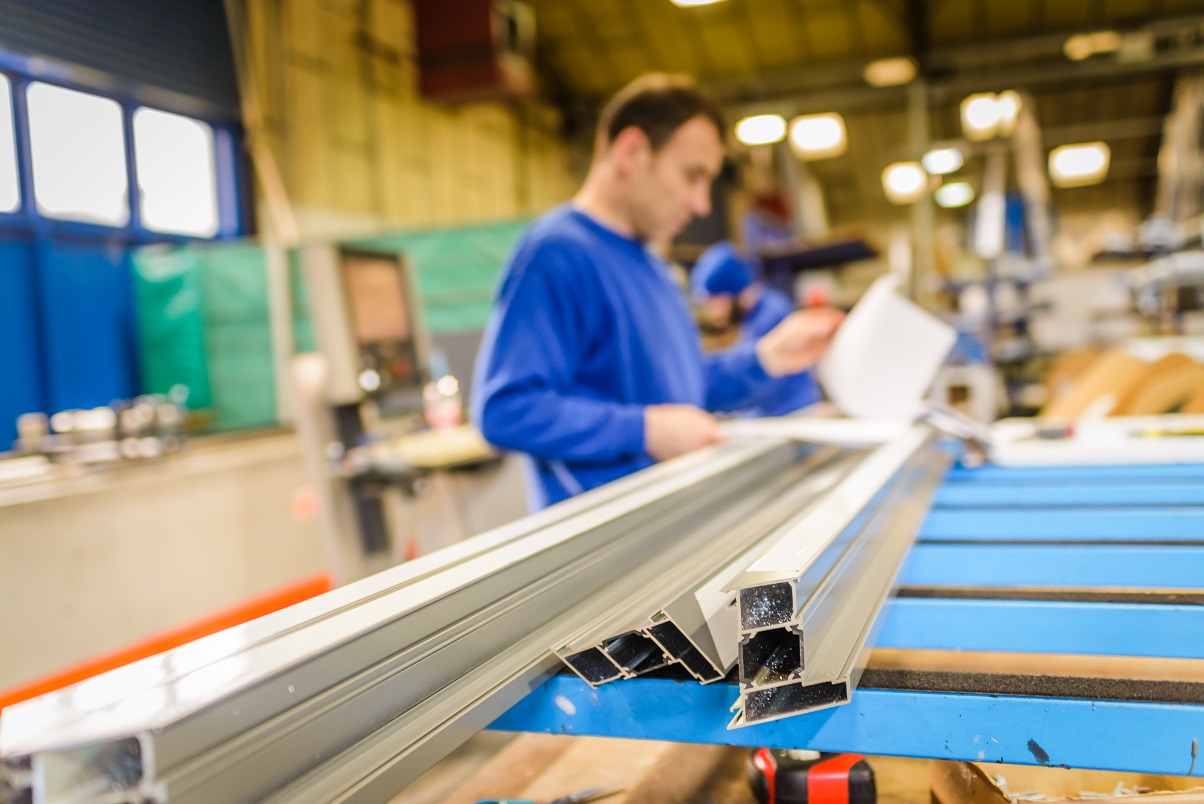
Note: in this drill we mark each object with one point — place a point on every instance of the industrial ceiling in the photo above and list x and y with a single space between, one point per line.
796 56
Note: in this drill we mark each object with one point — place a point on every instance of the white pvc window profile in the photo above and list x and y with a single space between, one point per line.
10 188
177 173
78 150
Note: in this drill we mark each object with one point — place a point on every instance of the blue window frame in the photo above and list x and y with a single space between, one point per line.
68 333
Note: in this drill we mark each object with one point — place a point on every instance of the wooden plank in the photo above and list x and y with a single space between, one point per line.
540 767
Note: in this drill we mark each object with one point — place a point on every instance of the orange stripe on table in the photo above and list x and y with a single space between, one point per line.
181 635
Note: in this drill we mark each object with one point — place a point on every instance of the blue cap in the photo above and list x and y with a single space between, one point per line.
721 269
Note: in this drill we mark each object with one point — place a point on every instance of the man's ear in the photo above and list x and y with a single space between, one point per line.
631 149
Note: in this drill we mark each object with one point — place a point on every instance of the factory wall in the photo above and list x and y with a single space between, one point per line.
356 146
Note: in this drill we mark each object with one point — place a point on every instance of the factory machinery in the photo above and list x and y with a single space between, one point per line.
730 596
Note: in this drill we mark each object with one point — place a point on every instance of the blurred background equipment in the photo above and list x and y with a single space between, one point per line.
248 250
378 413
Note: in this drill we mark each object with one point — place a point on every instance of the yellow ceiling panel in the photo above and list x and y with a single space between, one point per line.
829 33
552 19
1062 14
728 46
629 62
607 25
1005 19
582 71
664 40
1182 6
883 30
595 46
776 34
1127 9
954 22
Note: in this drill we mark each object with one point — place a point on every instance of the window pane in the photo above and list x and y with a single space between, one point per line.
176 173
10 192
78 151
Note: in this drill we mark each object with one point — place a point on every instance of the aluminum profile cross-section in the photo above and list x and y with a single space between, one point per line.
612 644
803 638
357 692
692 620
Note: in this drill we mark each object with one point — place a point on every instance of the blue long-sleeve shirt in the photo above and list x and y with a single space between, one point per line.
784 394
587 330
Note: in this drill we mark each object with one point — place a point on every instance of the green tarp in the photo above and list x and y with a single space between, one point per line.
203 311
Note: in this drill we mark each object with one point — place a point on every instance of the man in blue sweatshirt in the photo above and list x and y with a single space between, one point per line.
591 363
725 280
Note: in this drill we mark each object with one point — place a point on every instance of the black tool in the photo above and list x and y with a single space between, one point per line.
808 777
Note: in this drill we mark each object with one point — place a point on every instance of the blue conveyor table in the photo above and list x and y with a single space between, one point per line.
1104 561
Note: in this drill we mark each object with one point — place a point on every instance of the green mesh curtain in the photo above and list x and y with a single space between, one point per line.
203 323
456 268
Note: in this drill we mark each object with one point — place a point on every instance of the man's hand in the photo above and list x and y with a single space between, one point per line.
672 430
799 341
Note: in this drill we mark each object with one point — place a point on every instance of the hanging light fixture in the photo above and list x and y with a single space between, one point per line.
1079 165
904 182
940 161
891 72
761 129
819 136
980 116
955 194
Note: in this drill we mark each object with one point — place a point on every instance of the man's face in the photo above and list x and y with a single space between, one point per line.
717 310
669 187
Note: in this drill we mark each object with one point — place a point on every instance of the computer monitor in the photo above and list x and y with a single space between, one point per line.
378 305
367 322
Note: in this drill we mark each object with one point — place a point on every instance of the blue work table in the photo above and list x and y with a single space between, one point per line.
1104 532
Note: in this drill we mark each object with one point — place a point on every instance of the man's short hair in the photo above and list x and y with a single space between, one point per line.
657 104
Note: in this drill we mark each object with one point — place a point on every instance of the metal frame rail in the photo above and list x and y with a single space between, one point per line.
1102 561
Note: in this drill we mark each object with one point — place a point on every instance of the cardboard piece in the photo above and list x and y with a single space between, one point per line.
884 357
1167 384
1194 403
970 783
1067 367
1099 389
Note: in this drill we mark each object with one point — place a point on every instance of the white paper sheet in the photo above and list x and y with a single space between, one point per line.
885 356
818 429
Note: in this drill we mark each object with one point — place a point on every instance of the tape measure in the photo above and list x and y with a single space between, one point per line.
808 777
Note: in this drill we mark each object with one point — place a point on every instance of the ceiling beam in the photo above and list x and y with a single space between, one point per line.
1106 130
778 92
919 38
986 65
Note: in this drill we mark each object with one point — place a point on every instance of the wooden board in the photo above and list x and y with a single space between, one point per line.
540 767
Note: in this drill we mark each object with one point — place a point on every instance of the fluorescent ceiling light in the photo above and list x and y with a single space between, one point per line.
980 116
1009 104
1105 41
1078 47
940 161
986 115
686 3
1079 165
819 136
904 182
1084 46
890 72
954 194
761 129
